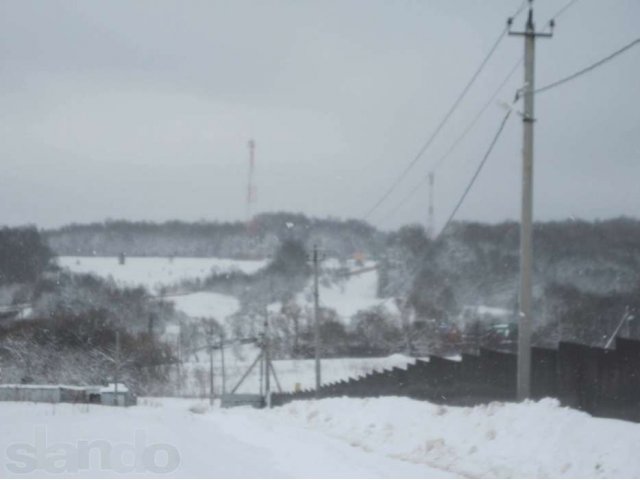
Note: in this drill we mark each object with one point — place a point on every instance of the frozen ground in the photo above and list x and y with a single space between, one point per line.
347 295
206 305
533 439
238 443
375 438
355 293
155 272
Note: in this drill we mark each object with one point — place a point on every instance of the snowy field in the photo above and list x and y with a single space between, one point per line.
346 438
300 372
205 304
156 272
347 297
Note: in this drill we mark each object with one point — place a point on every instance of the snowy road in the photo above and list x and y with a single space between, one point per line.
41 440
341 437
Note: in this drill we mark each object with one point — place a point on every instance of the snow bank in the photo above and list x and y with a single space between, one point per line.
531 439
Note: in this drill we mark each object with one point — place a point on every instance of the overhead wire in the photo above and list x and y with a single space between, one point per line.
442 123
470 126
481 165
458 140
587 69
520 9
478 115
447 116
557 15
478 170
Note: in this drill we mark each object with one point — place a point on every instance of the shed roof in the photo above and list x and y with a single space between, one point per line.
111 388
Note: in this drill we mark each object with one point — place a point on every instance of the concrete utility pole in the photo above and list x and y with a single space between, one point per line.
316 316
209 333
431 227
224 374
210 373
117 369
267 359
526 222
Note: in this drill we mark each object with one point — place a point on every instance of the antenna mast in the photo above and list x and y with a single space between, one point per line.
431 223
251 189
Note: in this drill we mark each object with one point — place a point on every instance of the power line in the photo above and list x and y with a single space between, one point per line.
587 69
557 15
417 265
477 172
458 140
439 127
520 9
478 115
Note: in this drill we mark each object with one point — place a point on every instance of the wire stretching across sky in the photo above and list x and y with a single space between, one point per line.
591 67
445 119
458 140
482 163
477 172
477 117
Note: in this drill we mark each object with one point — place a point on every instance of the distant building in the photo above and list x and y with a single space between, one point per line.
43 393
121 396
68 394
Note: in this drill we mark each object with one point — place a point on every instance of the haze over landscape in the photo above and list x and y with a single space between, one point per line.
142 110
283 239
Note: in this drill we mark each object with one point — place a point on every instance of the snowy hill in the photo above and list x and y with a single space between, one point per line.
156 272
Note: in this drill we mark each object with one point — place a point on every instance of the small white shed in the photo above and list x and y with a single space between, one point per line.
120 396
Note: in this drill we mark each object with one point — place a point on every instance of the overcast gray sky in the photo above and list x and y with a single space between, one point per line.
143 109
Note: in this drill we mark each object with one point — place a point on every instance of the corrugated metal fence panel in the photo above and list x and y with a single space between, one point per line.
601 382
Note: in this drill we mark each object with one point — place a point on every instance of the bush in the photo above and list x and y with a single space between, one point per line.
23 255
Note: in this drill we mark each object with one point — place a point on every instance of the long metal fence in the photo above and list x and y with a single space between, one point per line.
602 382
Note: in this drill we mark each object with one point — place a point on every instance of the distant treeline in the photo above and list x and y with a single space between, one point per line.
260 239
23 255
586 274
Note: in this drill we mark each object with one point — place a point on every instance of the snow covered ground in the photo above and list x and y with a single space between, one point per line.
346 295
355 293
376 438
238 443
155 272
206 305
532 439
290 373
